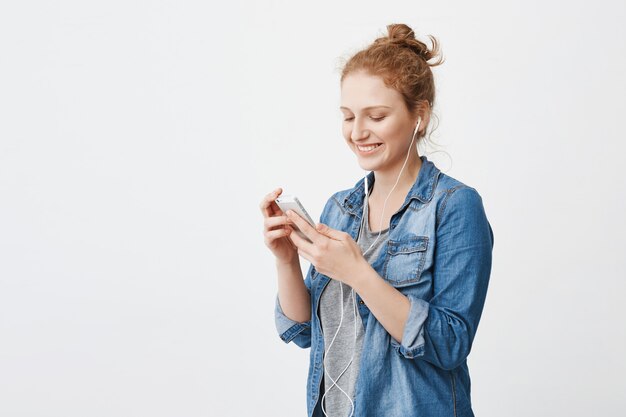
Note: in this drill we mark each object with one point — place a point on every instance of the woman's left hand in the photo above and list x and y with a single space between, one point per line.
333 253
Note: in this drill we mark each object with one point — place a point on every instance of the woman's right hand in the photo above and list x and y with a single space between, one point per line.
276 229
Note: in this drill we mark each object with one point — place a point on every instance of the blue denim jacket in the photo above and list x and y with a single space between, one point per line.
439 256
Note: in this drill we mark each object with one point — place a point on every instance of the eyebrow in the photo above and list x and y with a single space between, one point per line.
366 108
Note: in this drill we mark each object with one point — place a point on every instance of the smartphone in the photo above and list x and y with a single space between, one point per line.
291 202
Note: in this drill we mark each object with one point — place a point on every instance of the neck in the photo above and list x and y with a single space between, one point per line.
384 180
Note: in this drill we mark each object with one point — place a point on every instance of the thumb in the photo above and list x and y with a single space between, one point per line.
328 231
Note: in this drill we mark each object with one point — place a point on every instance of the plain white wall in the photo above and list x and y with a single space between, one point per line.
137 140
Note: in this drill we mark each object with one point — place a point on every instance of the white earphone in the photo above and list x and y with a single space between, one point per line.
365 206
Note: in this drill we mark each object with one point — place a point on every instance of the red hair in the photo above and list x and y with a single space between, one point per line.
402 62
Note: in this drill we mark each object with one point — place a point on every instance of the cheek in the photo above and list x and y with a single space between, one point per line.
395 135
346 132
390 131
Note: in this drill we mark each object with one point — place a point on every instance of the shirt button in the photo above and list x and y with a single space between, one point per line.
361 302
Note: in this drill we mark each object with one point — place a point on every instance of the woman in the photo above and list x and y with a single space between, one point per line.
400 263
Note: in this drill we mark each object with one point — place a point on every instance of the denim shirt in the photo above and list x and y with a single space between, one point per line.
439 256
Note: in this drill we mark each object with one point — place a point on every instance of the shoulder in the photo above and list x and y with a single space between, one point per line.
457 198
448 186
454 194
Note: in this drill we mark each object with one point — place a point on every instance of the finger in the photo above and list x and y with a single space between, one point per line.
305 255
291 233
271 208
330 232
271 223
276 234
300 242
268 205
304 226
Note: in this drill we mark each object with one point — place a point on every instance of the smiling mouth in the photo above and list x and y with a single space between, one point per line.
369 148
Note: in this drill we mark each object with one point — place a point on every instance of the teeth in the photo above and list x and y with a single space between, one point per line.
368 148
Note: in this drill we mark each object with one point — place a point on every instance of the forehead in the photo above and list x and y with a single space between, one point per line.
360 90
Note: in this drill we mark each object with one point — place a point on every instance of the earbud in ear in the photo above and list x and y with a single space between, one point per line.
419 122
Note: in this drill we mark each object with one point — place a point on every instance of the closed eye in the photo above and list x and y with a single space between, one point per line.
376 119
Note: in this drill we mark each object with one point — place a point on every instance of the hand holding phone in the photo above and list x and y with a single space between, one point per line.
291 202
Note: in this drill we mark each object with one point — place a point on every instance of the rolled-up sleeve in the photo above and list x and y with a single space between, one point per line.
289 329
441 330
412 344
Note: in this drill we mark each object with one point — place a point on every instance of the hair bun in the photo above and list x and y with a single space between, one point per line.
400 32
402 35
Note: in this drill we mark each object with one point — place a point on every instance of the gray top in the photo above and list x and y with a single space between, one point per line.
335 403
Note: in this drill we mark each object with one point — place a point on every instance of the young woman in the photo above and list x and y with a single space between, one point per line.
400 263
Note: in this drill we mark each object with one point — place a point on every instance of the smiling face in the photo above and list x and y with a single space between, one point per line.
376 114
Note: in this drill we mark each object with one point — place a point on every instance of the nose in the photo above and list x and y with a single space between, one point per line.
358 130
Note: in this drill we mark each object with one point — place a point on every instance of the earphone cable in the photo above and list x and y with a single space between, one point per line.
365 212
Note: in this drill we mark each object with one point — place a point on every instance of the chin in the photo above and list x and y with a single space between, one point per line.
368 165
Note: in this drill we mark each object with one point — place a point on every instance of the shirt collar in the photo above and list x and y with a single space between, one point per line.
423 188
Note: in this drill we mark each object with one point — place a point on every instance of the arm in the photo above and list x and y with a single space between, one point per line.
293 315
441 330
297 294
390 307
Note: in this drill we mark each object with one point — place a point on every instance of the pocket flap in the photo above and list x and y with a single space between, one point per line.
407 245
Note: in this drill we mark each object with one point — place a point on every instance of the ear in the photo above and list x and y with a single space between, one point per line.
422 111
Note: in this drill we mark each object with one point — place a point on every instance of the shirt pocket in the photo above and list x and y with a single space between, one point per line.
405 260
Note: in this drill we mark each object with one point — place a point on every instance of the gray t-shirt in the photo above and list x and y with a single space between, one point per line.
335 403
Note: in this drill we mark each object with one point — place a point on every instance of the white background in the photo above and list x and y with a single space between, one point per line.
137 140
